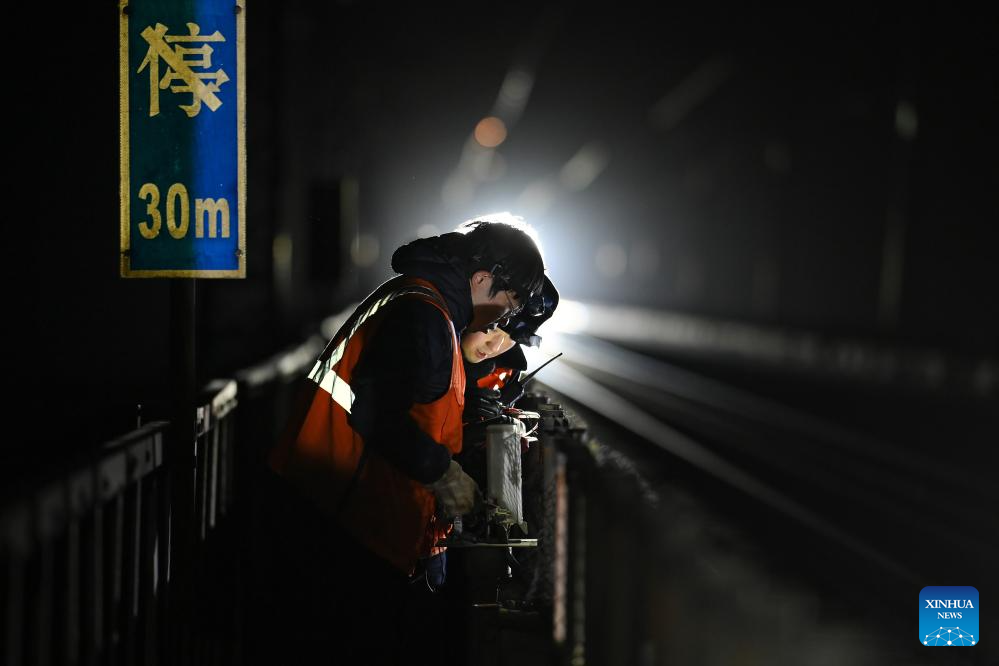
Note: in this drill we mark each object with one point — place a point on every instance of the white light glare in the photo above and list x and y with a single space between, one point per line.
569 317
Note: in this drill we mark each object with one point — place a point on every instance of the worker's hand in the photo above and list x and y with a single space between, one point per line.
474 434
456 491
482 404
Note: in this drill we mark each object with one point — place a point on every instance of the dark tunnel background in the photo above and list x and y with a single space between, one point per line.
827 170
818 168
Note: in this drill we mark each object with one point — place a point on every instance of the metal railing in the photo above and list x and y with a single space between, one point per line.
109 563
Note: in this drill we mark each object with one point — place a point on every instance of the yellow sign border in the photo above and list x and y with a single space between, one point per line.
124 185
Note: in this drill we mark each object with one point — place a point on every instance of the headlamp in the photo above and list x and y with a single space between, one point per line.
537 310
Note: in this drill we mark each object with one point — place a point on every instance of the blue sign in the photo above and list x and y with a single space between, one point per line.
183 160
948 616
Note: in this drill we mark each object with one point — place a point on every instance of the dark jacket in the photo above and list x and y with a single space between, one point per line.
409 359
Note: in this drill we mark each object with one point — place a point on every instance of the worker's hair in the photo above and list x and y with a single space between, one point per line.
505 246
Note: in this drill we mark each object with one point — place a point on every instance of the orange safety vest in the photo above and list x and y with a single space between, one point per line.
390 513
496 379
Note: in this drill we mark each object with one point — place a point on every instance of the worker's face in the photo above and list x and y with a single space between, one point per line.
478 346
488 310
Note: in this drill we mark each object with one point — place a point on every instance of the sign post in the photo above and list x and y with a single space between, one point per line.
182 200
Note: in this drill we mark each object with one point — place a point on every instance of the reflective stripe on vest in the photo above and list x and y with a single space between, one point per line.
332 383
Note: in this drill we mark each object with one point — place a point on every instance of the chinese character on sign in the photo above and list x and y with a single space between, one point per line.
181 61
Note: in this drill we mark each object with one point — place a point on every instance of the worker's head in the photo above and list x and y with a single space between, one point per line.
477 346
504 265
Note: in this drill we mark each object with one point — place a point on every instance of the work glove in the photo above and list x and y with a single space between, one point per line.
481 404
474 434
456 491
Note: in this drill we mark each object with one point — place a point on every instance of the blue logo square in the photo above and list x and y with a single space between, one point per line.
948 616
